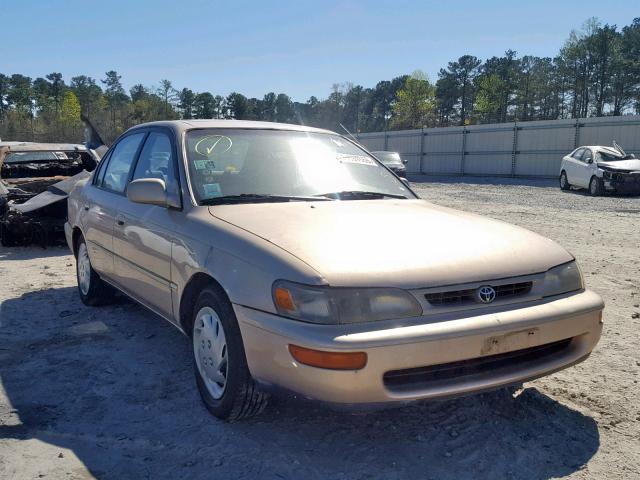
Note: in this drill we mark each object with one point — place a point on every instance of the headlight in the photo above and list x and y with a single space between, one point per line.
563 279
329 305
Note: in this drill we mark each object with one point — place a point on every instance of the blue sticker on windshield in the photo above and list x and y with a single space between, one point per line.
212 190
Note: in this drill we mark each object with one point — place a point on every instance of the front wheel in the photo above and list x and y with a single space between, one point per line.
92 289
595 187
222 375
564 182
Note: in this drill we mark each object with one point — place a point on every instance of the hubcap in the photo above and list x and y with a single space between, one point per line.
210 351
593 186
84 269
563 180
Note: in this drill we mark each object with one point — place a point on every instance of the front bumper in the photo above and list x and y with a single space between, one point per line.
622 182
402 350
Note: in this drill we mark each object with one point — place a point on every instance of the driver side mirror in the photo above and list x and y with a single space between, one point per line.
590 160
405 161
149 191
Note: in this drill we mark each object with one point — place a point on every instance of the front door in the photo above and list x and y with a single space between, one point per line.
144 234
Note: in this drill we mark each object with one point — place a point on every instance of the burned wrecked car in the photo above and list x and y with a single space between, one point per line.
35 179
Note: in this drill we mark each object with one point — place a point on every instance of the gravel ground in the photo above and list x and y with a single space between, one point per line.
109 392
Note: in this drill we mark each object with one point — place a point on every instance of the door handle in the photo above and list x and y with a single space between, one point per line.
120 220
86 208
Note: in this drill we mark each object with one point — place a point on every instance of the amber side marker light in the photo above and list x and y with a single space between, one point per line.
329 360
283 299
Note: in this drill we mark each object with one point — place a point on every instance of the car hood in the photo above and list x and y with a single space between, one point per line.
400 243
393 164
630 165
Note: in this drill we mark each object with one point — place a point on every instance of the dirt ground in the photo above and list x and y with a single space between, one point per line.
109 392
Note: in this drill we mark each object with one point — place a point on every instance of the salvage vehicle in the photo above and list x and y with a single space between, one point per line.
262 243
393 162
35 179
601 169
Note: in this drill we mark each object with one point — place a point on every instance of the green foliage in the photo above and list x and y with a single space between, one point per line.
415 104
596 72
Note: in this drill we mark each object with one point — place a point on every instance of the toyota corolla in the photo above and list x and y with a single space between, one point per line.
267 245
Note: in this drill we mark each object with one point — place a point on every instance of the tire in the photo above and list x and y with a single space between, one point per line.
595 187
564 182
92 289
220 364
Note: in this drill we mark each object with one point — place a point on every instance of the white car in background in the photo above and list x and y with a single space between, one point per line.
601 169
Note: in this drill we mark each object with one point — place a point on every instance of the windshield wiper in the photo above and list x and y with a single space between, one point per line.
359 195
258 198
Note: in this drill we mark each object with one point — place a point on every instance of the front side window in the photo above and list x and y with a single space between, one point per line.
156 161
587 156
237 162
117 171
578 154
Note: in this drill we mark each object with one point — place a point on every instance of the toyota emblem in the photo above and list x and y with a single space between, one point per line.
486 294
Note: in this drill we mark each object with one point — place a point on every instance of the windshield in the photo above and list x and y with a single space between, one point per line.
612 155
388 157
247 162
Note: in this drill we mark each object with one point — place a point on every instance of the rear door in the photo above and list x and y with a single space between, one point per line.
144 234
102 199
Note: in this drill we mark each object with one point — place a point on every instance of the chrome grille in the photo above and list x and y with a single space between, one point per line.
466 296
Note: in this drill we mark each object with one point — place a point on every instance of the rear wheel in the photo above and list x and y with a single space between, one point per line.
92 289
222 375
564 183
595 187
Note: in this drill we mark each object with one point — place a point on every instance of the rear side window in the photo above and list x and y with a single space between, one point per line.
117 171
156 161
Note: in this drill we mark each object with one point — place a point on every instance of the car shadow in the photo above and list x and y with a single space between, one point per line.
115 386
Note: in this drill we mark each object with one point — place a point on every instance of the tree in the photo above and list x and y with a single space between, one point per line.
269 107
236 106
20 93
56 88
415 104
70 114
186 99
88 93
490 98
204 106
116 98
284 108
168 95
4 91
462 74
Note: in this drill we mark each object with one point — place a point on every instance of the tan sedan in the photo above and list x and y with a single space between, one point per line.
295 260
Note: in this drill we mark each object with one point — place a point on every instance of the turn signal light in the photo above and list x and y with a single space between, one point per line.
329 360
283 299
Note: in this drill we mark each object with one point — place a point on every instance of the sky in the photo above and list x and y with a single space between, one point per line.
300 48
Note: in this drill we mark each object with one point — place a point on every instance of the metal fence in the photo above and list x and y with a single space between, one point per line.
524 149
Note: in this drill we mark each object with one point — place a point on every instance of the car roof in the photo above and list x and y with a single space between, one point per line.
606 148
180 126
